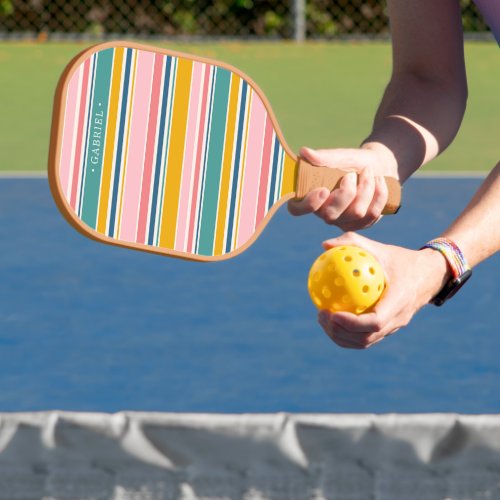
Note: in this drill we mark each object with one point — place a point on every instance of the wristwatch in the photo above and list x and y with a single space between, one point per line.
460 270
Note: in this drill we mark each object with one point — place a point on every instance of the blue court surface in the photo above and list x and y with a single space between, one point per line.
90 327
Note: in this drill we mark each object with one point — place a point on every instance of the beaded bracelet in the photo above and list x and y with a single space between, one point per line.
459 267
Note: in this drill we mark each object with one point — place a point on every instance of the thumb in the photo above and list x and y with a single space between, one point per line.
348 238
349 159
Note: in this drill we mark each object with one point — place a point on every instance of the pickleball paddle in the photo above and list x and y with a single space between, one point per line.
170 153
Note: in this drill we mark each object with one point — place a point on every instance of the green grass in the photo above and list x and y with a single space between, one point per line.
323 94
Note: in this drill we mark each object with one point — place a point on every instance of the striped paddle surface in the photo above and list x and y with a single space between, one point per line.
167 153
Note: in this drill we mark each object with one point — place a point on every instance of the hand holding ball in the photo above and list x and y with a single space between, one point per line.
346 278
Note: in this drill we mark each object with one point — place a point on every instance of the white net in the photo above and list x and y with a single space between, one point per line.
153 456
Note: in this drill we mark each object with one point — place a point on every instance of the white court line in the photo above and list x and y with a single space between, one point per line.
23 175
454 174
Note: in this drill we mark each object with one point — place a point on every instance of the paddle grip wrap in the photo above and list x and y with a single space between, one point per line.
310 177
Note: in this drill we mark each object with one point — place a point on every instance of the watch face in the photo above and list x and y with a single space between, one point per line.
451 288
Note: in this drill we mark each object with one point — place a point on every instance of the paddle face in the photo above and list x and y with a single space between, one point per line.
164 152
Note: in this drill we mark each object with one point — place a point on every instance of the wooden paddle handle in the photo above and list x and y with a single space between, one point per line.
310 177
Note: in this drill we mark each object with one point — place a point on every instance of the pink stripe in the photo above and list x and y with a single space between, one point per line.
189 154
69 127
150 149
137 145
79 135
198 166
264 174
250 188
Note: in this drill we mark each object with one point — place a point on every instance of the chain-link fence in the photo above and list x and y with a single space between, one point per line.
206 18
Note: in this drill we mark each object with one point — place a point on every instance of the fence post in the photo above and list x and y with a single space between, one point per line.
299 20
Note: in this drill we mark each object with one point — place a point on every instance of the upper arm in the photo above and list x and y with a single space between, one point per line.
428 39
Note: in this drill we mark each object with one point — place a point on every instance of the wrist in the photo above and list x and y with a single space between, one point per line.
437 273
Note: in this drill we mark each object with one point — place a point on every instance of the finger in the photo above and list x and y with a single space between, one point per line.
344 344
375 209
342 340
336 158
338 334
356 215
339 199
362 324
379 200
362 340
311 203
358 209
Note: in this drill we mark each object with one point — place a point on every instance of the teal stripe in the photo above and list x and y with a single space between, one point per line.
96 136
214 162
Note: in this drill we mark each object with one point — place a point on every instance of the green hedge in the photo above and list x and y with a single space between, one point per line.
240 18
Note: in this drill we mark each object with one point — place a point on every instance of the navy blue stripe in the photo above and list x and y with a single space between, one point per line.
272 188
236 168
80 201
202 184
161 137
119 148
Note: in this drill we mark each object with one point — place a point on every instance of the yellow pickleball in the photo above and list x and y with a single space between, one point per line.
346 278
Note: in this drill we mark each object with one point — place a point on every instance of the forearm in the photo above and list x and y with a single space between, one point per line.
477 230
424 103
416 120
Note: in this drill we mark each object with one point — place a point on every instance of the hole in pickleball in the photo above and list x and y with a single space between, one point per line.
366 289
360 309
317 300
372 270
327 293
339 281
336 306
317 276
346 299
348 258
356 273
379 287
330 268
362 254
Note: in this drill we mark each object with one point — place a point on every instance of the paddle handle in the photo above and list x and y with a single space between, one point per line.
310 177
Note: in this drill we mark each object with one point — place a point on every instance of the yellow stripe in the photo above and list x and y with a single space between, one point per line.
243 164
125 155
107 166
227 163
288 183
176 153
